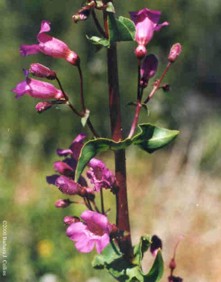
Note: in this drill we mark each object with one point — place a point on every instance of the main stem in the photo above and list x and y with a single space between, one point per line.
122 217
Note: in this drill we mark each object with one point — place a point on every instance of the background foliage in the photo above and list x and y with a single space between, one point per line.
186 175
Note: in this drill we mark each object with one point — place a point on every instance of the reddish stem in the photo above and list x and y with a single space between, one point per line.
122 220
157 83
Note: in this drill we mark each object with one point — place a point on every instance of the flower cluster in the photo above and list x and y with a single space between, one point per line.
53 47
93 229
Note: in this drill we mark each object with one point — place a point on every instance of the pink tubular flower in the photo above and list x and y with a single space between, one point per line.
50 46
146 23
37 89
94 231
148 69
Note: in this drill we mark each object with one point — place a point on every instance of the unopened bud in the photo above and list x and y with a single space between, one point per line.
71 219
42 71
174 279
148 69
166 87
156 244
140 51
175 51
62 203
172 264
43 106
82 16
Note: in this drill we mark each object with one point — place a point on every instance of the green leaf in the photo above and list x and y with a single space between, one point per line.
93 147
141 248
114 262
122 270
98 41
156 271
121 29
152 138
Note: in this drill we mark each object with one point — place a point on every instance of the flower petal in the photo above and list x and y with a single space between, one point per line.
26 50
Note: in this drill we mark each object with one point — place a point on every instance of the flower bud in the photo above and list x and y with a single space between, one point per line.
43 106
140 51
62 203
148 69
166 87
81 16
172 264
175 51
40 70
174 279
156 244
70 219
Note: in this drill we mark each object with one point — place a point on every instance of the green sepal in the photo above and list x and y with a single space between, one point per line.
110 7
156 271
85 118
93 147
151 138
121 29
99 4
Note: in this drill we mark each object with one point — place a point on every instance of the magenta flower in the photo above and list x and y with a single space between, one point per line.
68 186
148 69
94 231
74 149
146 23
37 89
100 175
50 46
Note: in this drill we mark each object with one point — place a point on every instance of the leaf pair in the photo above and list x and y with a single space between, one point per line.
150 138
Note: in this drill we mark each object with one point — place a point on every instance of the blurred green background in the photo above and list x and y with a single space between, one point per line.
177 189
